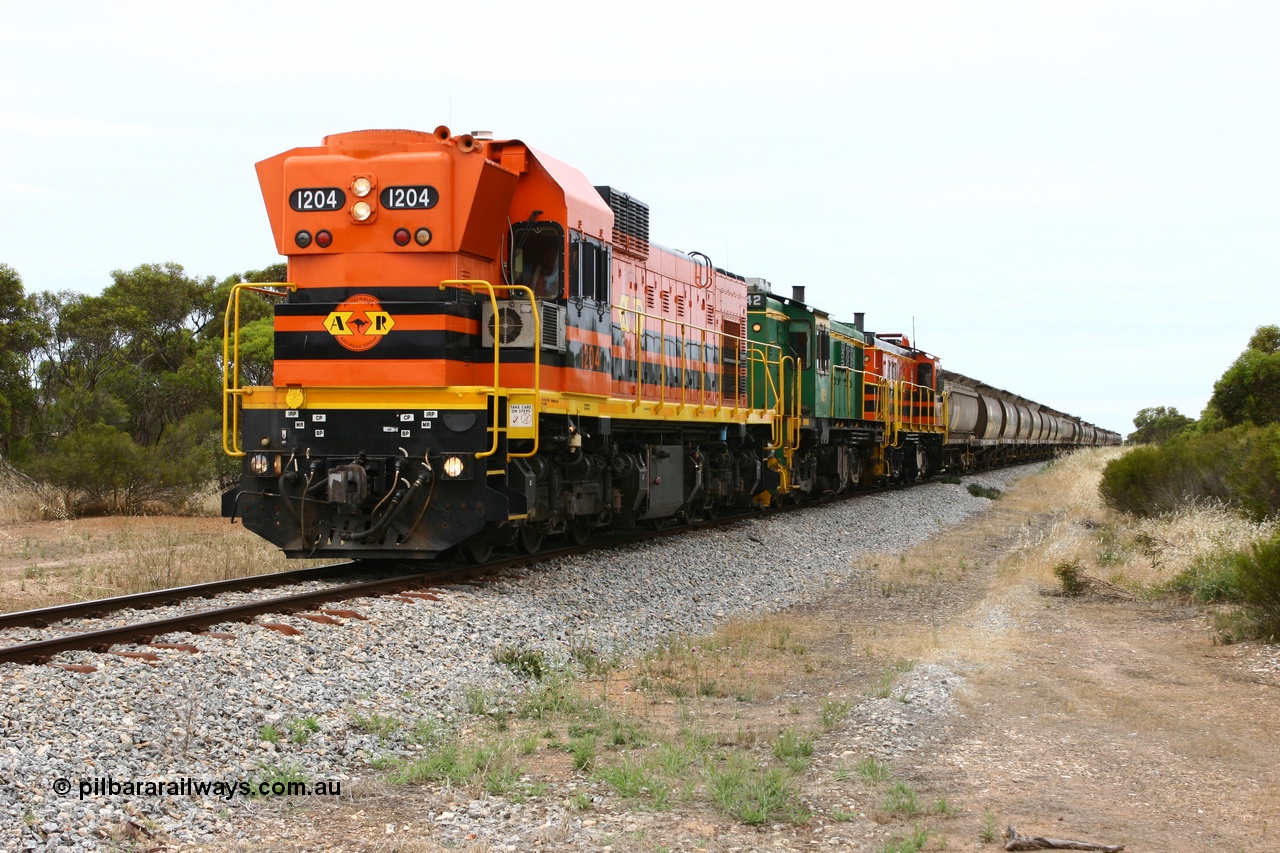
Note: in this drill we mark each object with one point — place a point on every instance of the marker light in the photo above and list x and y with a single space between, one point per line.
401 236
361 186
360 211
259 464
323 239
303 239
422 236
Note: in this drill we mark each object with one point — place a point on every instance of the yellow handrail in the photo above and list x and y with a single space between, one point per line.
498 390
683 329
231 362
756 354
792 420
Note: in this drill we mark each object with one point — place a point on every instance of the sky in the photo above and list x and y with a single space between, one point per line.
1073 201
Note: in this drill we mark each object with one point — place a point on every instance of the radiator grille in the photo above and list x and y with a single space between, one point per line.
630 222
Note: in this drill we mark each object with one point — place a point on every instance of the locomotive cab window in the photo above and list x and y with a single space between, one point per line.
589 265
924 375
798 341
537 258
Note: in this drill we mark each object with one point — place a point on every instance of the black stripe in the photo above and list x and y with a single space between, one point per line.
334 295
395 309
303 346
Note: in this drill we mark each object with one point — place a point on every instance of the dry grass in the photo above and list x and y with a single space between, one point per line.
57 562
1139 554
1045 520
47 558
19 503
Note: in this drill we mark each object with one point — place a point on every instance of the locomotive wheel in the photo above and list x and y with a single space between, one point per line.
529 539
580 529
478 548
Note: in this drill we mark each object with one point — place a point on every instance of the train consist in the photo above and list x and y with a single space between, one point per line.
478 348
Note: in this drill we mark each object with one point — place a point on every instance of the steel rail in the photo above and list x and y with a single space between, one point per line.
102 640
40 651
45 616
144 632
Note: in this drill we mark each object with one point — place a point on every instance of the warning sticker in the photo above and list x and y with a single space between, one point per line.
520 415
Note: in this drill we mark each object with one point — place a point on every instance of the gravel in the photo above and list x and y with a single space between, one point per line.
202 716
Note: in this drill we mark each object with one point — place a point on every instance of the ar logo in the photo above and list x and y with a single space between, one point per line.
359 323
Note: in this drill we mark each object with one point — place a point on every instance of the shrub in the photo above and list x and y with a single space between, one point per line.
531 663
1071 575
1210 579
99 467
1239 467
1258 579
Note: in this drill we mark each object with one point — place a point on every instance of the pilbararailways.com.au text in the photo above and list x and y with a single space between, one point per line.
186 786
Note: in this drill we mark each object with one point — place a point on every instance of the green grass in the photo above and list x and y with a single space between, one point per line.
1210 579
944 808
873 770
552 696
275 774
989 830
833 713
754 795
628 777
901 800
380 725
530 663
300 731
889 677
492 766
793 749
480 702
582 750
424 732
911 844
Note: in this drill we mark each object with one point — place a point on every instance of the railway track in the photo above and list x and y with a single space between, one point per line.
200 621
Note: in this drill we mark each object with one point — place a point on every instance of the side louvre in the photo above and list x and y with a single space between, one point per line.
630 222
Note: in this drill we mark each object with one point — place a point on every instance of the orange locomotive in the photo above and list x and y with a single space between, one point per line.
478 348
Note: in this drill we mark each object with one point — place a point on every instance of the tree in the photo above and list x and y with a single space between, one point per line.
125 387
21 330
1249 391
1158 424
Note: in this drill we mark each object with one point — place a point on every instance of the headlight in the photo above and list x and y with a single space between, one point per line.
360 211
361 186
453 467
259 464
